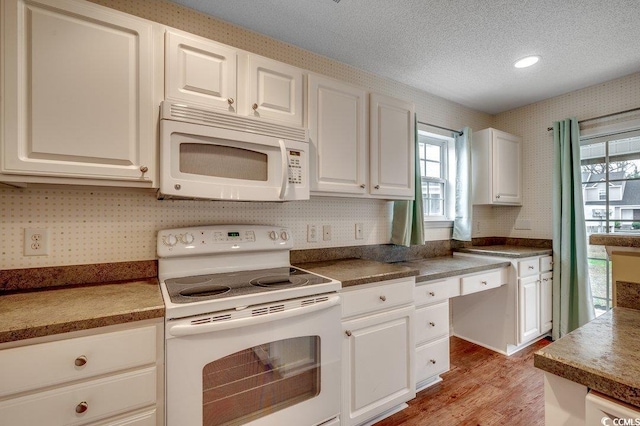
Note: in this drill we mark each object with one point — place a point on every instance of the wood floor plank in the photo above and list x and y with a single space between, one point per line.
482 388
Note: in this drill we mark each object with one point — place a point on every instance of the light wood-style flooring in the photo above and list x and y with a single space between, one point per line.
481 388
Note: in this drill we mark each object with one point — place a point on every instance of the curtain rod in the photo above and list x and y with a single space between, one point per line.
459 132
603 116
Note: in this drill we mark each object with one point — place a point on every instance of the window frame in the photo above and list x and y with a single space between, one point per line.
447 179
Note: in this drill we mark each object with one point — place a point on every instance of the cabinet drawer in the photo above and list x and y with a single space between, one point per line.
480 282
432 359
378 297
45 364
145 418
432 322
528 267
103 397
436 291
546 263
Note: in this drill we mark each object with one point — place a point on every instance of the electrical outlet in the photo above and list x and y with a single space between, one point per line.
312 234
359 235
326 232
36 242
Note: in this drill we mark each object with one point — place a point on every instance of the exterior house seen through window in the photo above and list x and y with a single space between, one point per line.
434 153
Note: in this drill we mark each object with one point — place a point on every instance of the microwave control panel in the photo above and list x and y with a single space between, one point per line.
295 166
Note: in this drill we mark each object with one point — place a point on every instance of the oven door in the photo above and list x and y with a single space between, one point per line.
198 161
281 367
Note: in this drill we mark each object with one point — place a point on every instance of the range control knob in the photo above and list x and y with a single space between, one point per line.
187 238
273 235
170 240
284 235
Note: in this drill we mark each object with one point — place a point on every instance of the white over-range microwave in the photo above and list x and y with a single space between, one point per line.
206 154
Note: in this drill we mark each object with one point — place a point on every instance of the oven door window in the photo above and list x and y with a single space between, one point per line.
261 380
223 161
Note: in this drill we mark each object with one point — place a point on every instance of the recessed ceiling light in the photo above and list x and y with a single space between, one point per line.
526 62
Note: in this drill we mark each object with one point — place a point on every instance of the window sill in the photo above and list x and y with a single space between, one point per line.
433 223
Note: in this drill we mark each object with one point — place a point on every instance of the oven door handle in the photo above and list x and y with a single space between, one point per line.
190 329
285 169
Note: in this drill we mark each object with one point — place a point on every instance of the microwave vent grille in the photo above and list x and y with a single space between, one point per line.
207 117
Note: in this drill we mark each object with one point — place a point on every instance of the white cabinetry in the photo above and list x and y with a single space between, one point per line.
113 376
432 329
337 130
509 317
497 168
202 72
378 349
392 147
78 101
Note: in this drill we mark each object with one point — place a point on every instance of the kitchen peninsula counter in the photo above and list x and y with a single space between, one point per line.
603 355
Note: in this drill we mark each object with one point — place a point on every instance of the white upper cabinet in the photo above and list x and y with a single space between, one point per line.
202 72
272 90
199 71
392 147
78 100
497 168
337 129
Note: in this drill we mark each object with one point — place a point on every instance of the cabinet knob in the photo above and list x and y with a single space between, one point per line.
383 298
254 106
431 293
82 407
545 279
530 266
483 282
348 333
432 324
363 186
144 169
377 187
80 361
177 186
551 263
497 196
231 101
432 361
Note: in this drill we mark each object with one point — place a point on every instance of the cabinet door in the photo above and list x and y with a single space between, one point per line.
378 356
546 298
529 307
200 71
78 82
507 168
392 147
273 89
338 136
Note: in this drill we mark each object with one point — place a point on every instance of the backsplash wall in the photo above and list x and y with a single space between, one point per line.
96 225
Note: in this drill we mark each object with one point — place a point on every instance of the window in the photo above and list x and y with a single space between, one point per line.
611 166
435 155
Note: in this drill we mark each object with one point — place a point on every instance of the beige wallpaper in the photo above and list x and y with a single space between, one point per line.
94 225
531 122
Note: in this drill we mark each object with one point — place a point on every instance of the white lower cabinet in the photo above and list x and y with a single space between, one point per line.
377 350
529 304
535 283
113 376
432 328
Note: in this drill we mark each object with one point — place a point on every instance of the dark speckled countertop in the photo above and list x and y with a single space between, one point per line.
352 272
603 355
509 251
448 266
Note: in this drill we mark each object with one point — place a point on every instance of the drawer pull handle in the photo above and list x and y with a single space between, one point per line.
348 333
383 298
377 187
82 407
432 324
144 169
363 186
483 282
230 101
80 361
254 106
530 266
431 293
432 361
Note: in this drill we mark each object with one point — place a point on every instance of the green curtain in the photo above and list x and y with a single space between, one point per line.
463 208
572 302
407 225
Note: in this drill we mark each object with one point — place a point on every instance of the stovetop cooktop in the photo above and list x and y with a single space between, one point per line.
231 284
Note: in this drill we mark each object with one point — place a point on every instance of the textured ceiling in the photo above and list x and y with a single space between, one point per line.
461 50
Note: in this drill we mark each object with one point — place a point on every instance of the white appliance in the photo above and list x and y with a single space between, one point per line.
249 339
214 155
